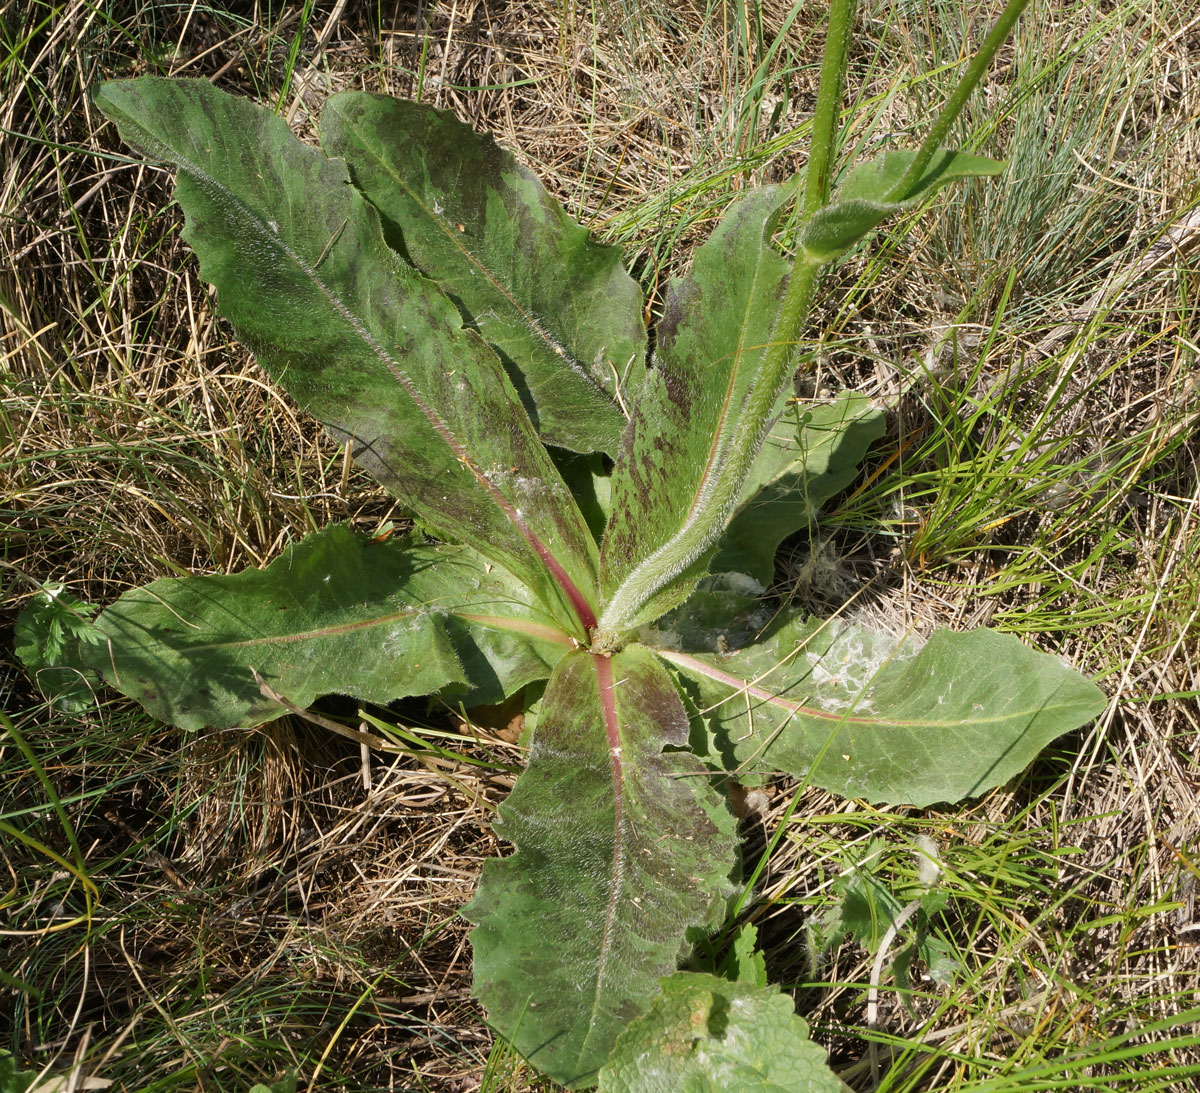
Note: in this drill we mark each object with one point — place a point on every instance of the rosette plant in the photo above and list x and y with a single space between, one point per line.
595 526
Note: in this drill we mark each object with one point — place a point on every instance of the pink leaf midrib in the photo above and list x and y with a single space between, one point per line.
602 666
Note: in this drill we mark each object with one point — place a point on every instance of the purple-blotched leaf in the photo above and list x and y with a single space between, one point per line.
867 197
864 715
811 453
334 614
363 341
622 847
689 448
704 1034
560 308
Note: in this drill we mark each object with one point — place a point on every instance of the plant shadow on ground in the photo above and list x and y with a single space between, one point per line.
236 905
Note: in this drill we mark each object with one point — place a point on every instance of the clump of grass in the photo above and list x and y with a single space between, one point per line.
210 911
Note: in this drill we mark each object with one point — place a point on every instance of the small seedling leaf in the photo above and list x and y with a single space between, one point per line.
744 963
49 638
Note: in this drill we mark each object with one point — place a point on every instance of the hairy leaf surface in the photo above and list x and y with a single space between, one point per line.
811 453
704 1034
678 479
362 340
560 308
333 614
866 716
621 848
867 197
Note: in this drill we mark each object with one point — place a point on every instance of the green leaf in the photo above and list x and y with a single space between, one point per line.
739 961
286 1084
811 454
863 715
703 1034
942 963
49 638
867 908
363 341
866 197
743 962
560 309
876 179
688 451
14 1079
334 614
622 847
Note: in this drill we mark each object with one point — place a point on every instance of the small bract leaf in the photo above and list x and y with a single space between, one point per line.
875 179
334 614
866 197
363 341
866 716
622 847
703 1034
560 308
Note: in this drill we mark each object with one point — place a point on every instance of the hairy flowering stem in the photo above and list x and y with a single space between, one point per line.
829 105
746 428
708 520
974 73
749 426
